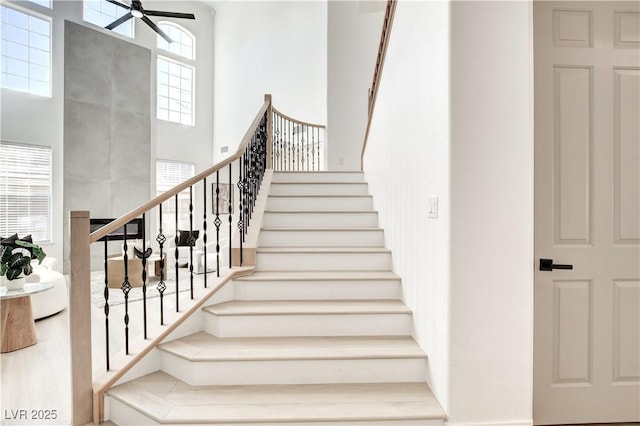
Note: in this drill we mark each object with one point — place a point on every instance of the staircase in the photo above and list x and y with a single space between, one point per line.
317 335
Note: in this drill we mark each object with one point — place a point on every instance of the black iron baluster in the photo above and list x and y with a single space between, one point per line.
106 297
307 148
126 288
162 286
313 150
177 255
240 208
204 236
144 274
230 208
289 145
319 165
191 240
217 222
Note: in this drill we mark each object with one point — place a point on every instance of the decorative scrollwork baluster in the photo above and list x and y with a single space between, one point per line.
126 288
162 286
144 274
217 222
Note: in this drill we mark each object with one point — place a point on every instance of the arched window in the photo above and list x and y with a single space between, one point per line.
176 75
184 43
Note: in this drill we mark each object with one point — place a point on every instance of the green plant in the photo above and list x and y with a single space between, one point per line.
16 255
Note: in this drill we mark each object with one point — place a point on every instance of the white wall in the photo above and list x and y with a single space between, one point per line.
31 119
407 160
491 212
267 47
454 119
353 37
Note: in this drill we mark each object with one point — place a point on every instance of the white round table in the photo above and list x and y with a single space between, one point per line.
17 328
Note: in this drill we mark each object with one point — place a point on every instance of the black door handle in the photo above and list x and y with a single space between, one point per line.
548 265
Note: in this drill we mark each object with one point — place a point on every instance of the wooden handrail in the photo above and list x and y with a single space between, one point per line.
377 72
112 226
303 123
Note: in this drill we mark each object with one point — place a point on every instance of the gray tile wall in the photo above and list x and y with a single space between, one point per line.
107 127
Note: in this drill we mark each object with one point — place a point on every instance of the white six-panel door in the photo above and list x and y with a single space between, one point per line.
587 212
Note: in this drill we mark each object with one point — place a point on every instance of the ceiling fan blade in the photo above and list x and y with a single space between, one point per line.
117 3
120 20
170 14
155 28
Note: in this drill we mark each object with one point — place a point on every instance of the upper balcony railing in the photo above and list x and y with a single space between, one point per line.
387 24
225 196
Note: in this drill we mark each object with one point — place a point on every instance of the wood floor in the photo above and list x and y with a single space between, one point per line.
35 383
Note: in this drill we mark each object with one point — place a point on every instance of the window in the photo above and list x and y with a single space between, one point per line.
26 52
183 42
176 85
25 191
168 175
102 13
175 91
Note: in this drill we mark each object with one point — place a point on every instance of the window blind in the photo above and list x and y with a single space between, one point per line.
168 175
25 191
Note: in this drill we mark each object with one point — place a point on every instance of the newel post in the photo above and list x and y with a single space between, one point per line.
80 319
267 98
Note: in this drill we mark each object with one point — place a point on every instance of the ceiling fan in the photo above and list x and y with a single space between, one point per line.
136 11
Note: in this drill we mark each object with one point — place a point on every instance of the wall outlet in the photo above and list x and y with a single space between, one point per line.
224 149
432 207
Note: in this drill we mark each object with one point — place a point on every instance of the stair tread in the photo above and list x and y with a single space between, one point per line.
169 400
319 275
308 307
206 347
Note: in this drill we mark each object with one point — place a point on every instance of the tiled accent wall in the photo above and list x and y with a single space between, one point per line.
107 126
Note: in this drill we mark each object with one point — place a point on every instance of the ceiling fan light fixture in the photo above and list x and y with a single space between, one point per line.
136 13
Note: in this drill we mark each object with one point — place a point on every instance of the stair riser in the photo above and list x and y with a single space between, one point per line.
318 189
317 290
309 325
315 204
324 238
323 261
123 415
320 220
207 373
313 177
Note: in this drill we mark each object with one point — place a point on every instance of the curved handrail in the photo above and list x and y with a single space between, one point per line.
304 123
112 226
377 72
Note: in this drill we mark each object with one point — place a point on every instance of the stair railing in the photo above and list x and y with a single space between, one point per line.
244 170
387 24
297 145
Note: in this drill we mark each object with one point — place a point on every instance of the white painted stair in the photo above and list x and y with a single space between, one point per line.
318 335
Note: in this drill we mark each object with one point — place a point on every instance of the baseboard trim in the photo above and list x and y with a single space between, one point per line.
528 422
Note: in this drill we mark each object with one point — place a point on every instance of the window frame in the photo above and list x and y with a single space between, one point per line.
131 22
160 42
182 61
9 179
30 13
182 64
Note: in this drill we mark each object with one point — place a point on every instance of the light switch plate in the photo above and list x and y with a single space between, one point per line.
432 207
